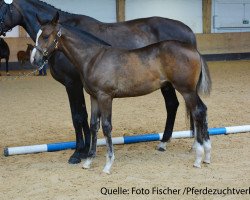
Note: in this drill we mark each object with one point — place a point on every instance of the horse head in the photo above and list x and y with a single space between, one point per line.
9 16
46 41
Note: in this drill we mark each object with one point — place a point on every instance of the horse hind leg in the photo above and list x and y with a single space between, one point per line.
171 103
198 111
105 104
192 132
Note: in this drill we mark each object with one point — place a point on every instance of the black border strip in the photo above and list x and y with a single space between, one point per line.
227 56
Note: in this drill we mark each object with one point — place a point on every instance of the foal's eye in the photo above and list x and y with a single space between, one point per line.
46 37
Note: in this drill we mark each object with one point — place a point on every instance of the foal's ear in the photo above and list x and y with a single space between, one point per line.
39 20
55 20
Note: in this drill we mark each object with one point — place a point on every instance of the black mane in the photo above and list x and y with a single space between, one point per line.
88 37
62 11
56 8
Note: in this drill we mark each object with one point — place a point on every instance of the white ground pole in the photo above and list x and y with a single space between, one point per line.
120 140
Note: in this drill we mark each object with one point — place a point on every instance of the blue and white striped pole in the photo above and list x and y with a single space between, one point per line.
119 140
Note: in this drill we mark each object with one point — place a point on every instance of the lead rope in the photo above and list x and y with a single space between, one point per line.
25 75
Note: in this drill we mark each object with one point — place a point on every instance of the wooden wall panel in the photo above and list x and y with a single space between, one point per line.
218 43
17 44
206 15
120 10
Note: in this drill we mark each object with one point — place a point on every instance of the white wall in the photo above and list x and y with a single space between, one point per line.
13 33
187 11
103 10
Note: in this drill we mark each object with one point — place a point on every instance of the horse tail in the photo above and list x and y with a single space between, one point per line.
204 85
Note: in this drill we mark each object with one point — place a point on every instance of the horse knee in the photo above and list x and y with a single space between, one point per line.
77 120
200 121
107 128
199 114
94 126
84 111
172 105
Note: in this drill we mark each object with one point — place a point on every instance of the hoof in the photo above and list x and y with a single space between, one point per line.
162 146
76 157
87 163
106 171
161 149
196 165
8 74
85 166
74 160
207 161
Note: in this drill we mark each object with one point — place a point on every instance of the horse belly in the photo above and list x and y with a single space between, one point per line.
130 87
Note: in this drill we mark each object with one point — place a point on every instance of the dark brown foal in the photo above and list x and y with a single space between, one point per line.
109 73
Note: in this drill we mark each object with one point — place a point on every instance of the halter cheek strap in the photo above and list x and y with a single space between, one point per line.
59 34
45 52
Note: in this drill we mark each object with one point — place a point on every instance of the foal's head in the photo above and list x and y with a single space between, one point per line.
46 41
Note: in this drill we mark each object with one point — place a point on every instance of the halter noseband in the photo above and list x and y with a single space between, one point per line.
2 17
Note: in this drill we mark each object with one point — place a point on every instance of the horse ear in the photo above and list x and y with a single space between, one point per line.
55 19
39 20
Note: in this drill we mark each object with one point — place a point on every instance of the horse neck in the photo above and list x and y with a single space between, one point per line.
77 48
30 8
28 50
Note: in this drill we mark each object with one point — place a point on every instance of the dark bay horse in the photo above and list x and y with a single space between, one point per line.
127 35
4 54
109 73
24 56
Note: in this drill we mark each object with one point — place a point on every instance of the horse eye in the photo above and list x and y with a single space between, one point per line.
46 37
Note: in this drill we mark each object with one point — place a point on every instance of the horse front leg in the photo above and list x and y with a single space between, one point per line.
80 122
171 103
94 128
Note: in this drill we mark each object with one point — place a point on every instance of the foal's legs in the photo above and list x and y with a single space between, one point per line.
172 104
105 105
94 127
199 114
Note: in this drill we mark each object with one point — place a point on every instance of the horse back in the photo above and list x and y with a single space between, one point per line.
141 32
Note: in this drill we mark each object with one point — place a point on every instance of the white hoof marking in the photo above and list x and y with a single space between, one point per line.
162 146
199 154
207 149
87 163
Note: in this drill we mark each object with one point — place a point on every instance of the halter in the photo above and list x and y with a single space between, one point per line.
47 51
2 17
